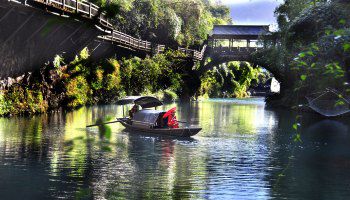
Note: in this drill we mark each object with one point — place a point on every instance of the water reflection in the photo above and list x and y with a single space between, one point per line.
243 152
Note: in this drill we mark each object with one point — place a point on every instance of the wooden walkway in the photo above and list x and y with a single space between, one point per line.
91 11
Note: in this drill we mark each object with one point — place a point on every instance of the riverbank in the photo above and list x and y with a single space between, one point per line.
81 82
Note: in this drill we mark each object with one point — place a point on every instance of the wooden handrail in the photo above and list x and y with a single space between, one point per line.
90 10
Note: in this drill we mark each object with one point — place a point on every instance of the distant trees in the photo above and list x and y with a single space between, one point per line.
229 80
181 22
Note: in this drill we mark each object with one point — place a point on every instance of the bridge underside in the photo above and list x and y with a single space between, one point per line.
224 55
30 37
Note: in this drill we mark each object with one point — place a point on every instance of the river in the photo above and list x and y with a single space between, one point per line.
243 152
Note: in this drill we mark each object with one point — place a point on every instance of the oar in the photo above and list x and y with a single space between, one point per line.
187 122
103 123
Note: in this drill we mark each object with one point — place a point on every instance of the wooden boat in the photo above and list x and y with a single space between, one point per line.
150 121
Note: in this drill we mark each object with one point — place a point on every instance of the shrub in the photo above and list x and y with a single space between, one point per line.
78 92
5 105
228 80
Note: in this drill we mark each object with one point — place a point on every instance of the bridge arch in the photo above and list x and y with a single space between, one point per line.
228 43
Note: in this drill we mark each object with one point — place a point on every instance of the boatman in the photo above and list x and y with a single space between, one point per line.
133 110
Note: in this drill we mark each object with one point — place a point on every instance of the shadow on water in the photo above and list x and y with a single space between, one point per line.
243 152
316 168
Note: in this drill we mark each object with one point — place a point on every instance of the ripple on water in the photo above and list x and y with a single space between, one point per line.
243 152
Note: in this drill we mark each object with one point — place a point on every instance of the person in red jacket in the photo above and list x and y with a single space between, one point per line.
172 121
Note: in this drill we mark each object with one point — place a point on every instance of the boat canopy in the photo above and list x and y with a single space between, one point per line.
147 116
143 101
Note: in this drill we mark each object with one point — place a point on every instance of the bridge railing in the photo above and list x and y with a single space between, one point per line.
85 8
196 55
160 48
127 40
90 10
237 50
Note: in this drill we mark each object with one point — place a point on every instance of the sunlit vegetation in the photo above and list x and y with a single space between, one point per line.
311 50
167 76
150 75
229 80
20 100
82 82
180 22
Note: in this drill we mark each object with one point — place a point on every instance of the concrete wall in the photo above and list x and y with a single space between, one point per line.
31 37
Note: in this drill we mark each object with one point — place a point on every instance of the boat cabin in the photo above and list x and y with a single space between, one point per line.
149 118
145 118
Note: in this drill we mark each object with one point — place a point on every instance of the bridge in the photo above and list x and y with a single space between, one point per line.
234 43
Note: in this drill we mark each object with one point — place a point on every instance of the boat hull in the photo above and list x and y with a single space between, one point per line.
174 132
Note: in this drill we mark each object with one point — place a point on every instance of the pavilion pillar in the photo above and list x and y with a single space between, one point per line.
248 43
232 42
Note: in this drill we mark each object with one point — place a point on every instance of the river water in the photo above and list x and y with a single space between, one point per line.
243 152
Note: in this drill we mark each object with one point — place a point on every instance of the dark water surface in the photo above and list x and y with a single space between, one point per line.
243 152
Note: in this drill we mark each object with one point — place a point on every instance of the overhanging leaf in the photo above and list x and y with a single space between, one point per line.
303 77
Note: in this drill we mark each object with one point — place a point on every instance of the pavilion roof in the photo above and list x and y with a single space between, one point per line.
239 31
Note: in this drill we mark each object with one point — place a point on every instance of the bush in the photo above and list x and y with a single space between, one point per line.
151 74
5 105
19 99
78 92
232 79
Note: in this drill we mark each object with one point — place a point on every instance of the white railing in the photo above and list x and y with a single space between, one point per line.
196 55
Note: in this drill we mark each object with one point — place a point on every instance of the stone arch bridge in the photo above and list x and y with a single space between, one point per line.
233 43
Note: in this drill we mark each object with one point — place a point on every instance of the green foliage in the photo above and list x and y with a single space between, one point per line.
84 54
87 83
151 74
58 61
310 51
76 84
78 92
346 47
97 83
5 105
229 80
106 81
82 82
317 71
167 22
20 100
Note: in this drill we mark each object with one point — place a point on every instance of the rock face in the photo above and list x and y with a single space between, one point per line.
31 37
